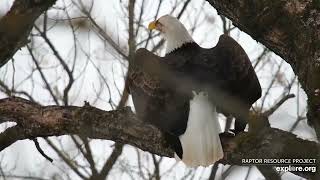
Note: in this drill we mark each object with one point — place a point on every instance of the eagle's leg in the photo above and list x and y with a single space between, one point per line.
239 125
240 111
174 142
241 119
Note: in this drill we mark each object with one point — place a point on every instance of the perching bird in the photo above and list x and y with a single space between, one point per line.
180 92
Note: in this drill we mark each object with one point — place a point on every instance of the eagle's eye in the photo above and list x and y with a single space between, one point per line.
159 26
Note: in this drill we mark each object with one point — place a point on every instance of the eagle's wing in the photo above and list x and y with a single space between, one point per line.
154 100
232 67
227 71
140 72
145 87
152 73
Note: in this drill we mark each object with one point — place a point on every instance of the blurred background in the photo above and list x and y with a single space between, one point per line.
80 50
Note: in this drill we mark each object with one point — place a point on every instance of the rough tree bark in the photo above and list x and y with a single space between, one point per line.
16 25
289 28
122 126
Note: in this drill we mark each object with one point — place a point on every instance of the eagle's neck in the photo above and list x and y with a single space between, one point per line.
175 39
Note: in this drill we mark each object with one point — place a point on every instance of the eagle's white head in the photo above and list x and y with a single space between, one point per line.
173 31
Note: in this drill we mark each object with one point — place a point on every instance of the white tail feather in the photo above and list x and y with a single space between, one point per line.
201 142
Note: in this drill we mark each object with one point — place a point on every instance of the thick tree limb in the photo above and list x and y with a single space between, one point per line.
122 126
289 28
16 25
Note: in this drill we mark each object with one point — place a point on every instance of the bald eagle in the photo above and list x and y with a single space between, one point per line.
181 92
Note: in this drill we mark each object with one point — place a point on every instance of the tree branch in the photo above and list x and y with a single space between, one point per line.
16 25
122 126
291 29
278 104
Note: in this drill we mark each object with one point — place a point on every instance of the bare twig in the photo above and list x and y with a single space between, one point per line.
214 170
111 160
40 150
278 104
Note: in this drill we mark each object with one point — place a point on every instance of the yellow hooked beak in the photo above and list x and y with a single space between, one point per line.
152 25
